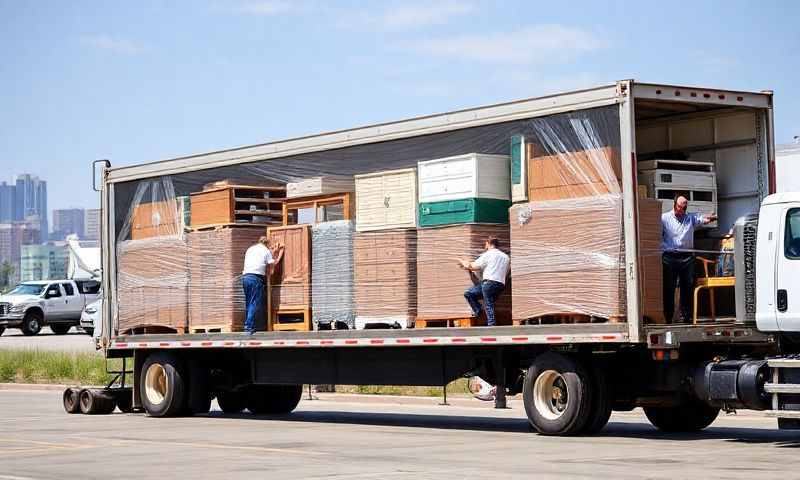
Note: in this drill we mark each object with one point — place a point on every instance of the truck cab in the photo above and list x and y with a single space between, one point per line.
56 303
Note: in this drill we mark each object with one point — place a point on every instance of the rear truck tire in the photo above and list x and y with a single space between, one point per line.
32 323
557 395
162 385
231 401
89 331
71 400
199 397
602 401
273 399
60 329
96 402
124 399
691 416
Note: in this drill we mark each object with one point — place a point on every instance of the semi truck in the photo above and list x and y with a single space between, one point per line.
571 375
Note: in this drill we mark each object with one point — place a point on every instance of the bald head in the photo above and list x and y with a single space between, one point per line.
680 205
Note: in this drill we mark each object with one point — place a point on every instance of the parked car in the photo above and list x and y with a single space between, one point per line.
55 303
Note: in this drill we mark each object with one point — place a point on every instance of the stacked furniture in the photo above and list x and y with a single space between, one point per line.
384 249
290 289
216 295
581 173
462 201
332 300
159 219
324 185
697 181
227 203
152 285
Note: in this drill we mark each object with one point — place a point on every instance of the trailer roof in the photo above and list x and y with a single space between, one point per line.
429 124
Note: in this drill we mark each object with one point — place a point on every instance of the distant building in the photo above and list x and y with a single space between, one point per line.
67 221
91 224
43 262
13 236
8 195
30 199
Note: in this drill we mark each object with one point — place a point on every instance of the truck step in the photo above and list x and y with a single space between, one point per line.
784 362
782 388
782 413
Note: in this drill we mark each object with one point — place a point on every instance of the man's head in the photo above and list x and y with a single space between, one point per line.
680 206
491 242
264 241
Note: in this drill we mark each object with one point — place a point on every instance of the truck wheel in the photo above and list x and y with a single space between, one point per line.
692 416
557 395
96 402
71 399
231 401
89 331
2 329
32 323
273 399
124 399
162 385
60 329
602 400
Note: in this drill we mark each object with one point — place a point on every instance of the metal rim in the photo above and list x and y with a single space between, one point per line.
550 394
33 324
155 384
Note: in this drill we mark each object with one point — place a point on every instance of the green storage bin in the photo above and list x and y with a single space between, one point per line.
468 210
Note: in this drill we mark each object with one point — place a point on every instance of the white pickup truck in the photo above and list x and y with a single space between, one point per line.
56 303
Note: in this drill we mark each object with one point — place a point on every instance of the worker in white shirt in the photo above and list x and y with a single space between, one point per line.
259 260
493 264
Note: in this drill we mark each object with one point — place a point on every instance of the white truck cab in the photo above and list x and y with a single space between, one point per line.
57 303
778 264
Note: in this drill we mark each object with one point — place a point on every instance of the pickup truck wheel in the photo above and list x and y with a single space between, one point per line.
231 401
692 416
96 402
162 386
71 399
557 395
32 323
273 399
2 329
60 329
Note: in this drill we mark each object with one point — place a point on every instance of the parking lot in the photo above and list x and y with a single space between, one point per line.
341 436
74 341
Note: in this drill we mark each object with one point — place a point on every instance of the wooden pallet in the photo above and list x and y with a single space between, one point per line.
461 322
227 328
151 329
280 320
566 318
218 226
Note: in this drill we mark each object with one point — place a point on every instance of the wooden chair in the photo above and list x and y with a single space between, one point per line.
709 282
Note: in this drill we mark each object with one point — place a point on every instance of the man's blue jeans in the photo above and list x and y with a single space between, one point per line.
489 290
253 300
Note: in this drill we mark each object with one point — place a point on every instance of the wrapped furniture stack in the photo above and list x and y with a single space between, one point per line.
216 296
227 203
462 201
332 300
385 249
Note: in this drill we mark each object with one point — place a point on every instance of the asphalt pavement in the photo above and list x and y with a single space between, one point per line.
341 436
74 341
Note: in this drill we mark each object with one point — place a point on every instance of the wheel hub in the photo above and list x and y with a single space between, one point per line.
550 394
155 384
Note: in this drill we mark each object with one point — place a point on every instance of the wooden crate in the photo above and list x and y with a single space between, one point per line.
238 204
319 204
582 173
285 319
156 219
459 322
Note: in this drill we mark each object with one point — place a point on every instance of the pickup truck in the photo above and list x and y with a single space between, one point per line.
56 303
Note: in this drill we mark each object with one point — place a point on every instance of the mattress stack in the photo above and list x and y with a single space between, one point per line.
216 260
152 284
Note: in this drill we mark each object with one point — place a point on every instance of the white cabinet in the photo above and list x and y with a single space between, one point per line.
474 175
386 200
313 186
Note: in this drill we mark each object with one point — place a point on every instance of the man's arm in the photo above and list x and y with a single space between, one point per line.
475 266
709 218
277 260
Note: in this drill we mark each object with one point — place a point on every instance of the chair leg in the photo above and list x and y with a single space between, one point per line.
694 305
713 305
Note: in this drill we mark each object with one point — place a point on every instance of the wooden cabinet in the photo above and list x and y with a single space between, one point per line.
386 200
318 209
237 204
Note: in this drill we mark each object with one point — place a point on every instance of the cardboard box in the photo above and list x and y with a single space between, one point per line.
157 219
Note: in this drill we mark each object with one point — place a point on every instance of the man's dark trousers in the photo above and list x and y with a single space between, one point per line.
489 290
678 269
254 300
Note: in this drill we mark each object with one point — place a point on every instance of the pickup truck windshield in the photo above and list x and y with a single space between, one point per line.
27 289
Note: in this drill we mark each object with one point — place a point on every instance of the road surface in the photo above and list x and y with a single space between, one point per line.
74 341
341 436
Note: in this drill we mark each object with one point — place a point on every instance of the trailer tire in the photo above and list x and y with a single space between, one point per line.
162 385
557 395
602 400
71 399
273 399
691 416
96 402
124 399
231 401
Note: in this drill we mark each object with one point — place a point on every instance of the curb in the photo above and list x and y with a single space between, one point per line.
32 386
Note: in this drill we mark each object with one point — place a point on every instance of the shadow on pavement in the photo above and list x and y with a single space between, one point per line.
781 438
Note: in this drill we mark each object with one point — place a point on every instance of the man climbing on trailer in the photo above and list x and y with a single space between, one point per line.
493 264
677 258
259 260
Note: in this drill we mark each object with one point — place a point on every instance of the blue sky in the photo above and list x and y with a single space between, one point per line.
142 81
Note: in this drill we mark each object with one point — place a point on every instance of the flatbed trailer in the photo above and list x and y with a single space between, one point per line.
571 375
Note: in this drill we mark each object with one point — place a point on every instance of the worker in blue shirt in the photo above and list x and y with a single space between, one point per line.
677 258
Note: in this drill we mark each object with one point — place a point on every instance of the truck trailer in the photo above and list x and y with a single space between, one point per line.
572 371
